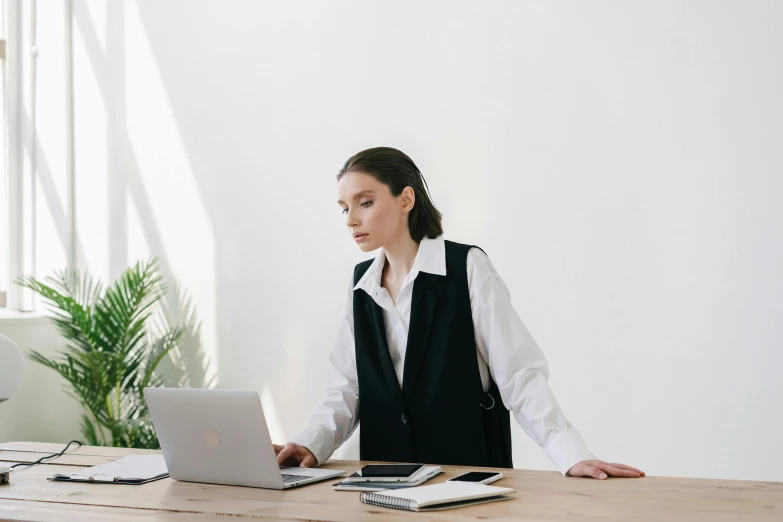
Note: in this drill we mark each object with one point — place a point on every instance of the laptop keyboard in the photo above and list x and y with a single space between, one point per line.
287 479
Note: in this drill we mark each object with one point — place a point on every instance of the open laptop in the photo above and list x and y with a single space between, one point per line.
221 437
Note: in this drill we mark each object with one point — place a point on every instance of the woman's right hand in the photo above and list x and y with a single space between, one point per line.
294 455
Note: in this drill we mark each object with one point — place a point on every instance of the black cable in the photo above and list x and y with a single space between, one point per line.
54 455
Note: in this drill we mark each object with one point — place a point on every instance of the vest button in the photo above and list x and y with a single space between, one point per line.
404 419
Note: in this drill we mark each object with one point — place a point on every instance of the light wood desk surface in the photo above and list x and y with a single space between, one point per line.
541 495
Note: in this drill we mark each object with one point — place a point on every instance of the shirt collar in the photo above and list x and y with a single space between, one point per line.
430 258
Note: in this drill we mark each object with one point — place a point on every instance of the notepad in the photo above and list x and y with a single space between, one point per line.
133 469
438 496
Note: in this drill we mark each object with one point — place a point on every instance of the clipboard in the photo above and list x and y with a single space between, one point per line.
131 470
115 480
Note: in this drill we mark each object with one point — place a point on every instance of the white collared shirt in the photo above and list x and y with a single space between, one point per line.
504 348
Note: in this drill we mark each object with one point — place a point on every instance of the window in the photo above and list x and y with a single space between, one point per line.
4 250
11 176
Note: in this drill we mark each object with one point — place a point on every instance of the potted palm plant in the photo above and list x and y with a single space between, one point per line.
115 340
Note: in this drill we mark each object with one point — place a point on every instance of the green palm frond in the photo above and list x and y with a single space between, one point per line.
89 431
115 339
72 319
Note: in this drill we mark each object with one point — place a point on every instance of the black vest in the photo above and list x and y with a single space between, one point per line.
441 415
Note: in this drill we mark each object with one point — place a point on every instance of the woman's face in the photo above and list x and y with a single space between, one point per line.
374 217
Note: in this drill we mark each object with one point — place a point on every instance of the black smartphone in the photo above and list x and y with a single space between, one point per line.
478 477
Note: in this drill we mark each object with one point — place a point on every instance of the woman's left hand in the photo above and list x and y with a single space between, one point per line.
600 470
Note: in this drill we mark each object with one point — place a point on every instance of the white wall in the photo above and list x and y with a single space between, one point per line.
619 161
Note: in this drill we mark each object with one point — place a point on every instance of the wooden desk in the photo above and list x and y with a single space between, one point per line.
541 495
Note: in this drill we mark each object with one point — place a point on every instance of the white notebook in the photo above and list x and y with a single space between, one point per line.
437 496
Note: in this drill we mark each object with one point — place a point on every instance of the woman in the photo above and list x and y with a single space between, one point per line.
430 342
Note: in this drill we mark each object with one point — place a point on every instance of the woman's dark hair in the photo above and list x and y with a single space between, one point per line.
396 170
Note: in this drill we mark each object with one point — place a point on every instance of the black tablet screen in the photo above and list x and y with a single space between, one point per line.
390 470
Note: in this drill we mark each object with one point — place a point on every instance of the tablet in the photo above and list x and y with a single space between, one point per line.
385 472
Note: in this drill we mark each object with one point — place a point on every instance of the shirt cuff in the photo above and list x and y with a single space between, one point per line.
317 440
566 449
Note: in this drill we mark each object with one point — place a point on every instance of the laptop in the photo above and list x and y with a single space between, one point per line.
221 437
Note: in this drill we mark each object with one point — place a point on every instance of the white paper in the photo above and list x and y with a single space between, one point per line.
138 467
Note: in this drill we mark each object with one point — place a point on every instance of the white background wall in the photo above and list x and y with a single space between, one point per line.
619 161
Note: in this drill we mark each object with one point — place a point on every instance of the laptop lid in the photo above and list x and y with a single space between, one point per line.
214 436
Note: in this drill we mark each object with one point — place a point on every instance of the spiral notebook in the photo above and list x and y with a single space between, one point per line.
437 496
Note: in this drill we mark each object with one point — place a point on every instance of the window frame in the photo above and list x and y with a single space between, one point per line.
19 182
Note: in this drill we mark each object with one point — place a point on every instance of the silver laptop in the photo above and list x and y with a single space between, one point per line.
221 437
